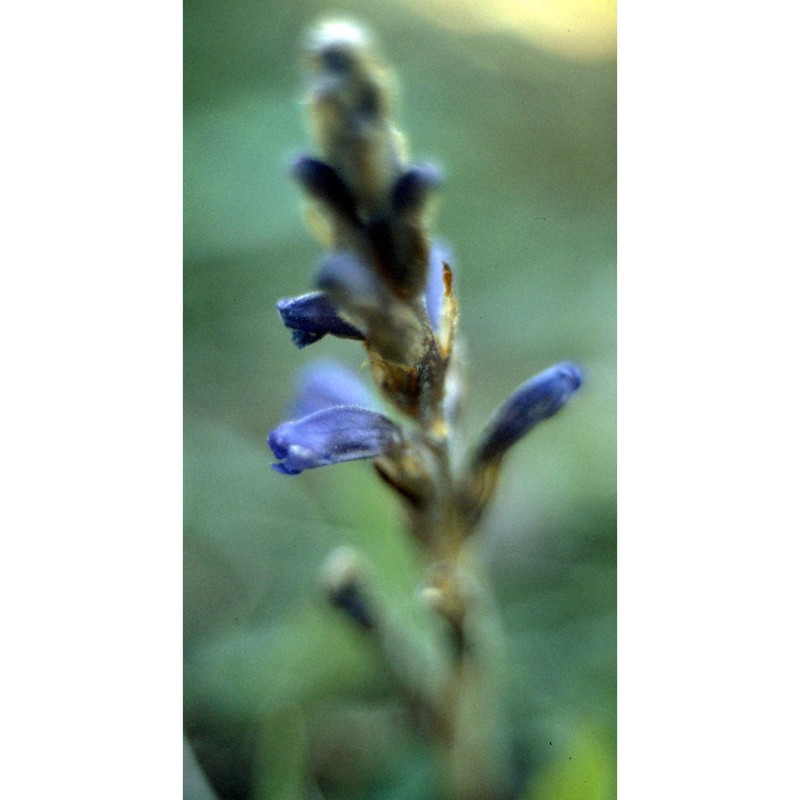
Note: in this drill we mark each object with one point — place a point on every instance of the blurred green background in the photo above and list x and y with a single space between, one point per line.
522 119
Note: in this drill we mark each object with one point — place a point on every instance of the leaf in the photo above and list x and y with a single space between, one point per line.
585 770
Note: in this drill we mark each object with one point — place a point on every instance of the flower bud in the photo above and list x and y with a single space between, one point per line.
536 400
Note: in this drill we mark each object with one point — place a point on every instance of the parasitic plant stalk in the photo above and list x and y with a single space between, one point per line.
386 284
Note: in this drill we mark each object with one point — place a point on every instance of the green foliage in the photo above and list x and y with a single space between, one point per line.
282 759
583 771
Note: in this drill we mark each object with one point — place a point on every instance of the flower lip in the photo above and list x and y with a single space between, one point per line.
277 448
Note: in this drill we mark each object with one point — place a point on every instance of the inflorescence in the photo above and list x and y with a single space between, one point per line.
387 285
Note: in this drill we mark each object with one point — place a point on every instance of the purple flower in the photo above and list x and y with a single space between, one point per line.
331 436
325 384
412 188
536 400
350 282
395 234
388 324
434 290
322 181
312 316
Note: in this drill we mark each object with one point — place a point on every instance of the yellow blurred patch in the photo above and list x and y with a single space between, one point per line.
581 29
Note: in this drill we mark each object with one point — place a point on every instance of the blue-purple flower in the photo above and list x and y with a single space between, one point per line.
348 281
322 181
389 325
334 421
332 436
413 187
312 316
327 383
534 401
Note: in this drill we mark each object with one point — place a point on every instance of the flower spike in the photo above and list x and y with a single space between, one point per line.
385 282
